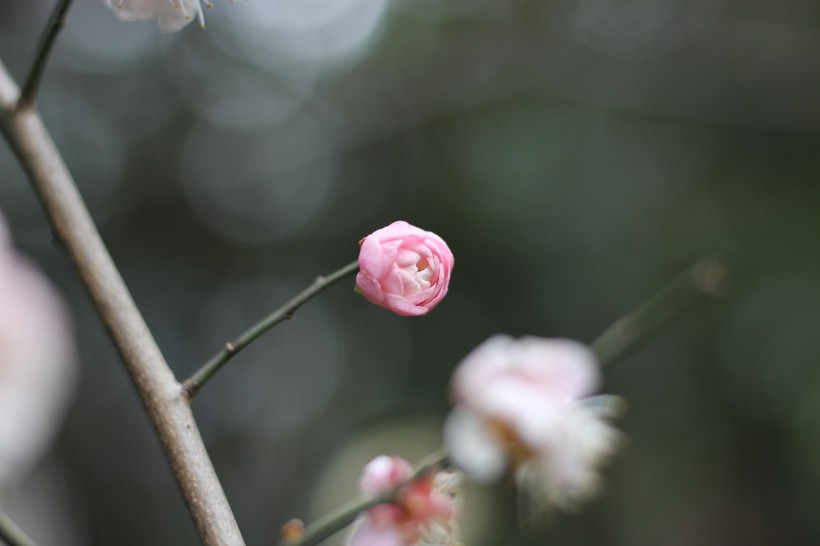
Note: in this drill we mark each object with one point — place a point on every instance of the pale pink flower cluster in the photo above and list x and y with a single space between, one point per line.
36 362
173 15
424 511
524 406
404 269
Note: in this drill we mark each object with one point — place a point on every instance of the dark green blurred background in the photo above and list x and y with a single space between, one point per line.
575 155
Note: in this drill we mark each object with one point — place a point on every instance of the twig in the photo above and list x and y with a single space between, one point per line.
343 516
11 534
167 407
708 276
55 24
192 385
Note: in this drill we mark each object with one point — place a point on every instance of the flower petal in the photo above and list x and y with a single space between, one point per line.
366 533
472 446
383 473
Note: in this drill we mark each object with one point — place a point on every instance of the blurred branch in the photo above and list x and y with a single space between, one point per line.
343 516
707 277
55 24
11 534
161 395
192 385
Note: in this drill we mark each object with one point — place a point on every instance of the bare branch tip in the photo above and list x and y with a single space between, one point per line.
293 532
189 388
712 276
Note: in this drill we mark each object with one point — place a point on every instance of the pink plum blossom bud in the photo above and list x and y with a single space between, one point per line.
525 405
404 269
423 512
173 15
383 473
36 362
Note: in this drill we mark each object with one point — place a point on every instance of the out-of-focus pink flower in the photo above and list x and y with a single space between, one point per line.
383 473
36 362
423 514
525 405
173 15
404 269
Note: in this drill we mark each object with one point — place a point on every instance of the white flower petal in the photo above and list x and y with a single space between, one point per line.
173 15
365 533
472 446
565 367
526 401
481 365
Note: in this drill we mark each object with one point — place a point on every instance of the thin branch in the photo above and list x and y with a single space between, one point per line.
707 277
55 24
192 385
343 516
11 534
167 407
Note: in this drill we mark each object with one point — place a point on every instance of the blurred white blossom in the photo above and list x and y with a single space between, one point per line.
524 405
173 15
37 369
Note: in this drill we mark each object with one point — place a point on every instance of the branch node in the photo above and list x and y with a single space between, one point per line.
24 104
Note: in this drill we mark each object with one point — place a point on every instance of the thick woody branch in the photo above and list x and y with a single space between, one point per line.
162 396
11 534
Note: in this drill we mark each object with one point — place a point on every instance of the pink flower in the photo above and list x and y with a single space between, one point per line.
36 362
525 405
173 15
404 269
423 512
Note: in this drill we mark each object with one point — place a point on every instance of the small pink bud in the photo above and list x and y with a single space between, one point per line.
384 473
404 269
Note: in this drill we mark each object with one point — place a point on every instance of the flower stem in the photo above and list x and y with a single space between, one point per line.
55 24
706 277
192 385
11 534
345 515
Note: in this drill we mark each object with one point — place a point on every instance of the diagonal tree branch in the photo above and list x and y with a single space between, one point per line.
168 409
11 534
707 277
